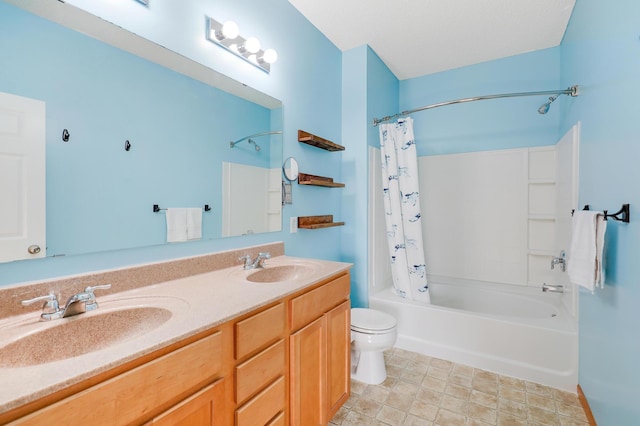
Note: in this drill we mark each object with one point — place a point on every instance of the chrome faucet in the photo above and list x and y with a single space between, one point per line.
257 263
77 304
84 301
560 260
548 288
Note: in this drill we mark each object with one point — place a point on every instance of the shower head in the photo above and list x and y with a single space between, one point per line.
544 108
254 144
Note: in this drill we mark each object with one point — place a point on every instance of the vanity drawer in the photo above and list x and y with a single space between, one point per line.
260 330
127 398
315 303
264 406
258 371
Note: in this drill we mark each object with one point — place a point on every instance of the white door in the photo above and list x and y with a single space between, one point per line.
22 178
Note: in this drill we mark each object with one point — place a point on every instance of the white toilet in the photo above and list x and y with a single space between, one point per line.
372 333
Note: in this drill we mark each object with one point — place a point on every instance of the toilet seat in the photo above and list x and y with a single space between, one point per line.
370 321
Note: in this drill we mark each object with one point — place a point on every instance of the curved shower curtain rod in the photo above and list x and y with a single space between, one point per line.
277 132
572 91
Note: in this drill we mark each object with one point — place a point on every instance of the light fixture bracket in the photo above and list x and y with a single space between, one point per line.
235 45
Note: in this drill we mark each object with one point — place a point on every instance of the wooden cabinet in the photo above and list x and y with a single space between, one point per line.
139 394
320 353
287 363
206 407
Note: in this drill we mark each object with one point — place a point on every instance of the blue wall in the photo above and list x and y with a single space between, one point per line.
311 97
490 124
99 196
601 52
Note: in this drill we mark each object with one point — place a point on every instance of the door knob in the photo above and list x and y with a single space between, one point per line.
34 249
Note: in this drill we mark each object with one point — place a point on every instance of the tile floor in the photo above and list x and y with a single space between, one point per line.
421 390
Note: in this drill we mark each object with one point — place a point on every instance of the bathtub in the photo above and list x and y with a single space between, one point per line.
521 333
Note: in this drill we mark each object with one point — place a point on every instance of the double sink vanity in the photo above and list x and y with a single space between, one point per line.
193 341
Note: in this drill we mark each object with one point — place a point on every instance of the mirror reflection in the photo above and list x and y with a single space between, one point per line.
100 195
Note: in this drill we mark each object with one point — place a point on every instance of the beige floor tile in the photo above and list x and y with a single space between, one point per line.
438 373
486 386
512 394
462 370
412 420
479 412
541 402
461 380
542 416
484 399
401 401
485 375
391 416
442 364
425 391
367 407
448 418
516 409
434 384
428 396
573 411
505 419
423 410
455 405
539 389
512 382
457 391
376 393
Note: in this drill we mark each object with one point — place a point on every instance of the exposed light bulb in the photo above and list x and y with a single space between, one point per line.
252 45
270 56
230 30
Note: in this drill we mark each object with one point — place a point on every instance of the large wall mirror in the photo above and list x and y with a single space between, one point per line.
99 195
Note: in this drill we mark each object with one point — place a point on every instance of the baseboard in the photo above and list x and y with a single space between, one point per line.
586 408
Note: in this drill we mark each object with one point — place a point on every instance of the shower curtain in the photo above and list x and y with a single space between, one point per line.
402 209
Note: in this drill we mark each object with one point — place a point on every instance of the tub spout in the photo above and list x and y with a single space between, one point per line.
548 288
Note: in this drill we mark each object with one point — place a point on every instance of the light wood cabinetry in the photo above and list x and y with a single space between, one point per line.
320 352
286 363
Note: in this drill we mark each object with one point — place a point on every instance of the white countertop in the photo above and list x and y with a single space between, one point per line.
197 303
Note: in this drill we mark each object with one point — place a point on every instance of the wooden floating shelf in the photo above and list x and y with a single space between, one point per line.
317 141
307 179
317 222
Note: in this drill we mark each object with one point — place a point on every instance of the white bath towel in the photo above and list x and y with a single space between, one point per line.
194 223
176 225
587 247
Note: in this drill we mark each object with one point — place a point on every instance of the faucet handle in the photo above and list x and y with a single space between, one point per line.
264 255
91 302
91 289
246 259
50 307
50 301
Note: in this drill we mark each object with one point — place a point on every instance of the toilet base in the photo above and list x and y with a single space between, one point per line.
368 367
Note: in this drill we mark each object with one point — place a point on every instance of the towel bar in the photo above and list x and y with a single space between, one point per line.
156 208
621 215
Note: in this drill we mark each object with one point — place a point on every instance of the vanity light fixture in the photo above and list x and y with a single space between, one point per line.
145 2
228 36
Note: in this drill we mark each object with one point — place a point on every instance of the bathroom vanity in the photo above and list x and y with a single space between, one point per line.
269 349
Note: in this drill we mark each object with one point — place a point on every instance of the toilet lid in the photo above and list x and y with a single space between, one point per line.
368 320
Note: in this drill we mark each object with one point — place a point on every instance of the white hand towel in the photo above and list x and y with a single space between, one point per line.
587 244
194 223
176 225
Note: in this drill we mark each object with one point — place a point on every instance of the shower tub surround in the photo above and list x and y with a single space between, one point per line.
515 332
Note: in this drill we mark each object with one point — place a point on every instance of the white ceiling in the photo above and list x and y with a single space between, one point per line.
419 37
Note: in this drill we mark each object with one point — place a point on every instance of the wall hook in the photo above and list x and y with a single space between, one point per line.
127 145
65 135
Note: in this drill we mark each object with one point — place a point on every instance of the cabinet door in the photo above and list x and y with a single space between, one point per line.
204 408
338 356
308 374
